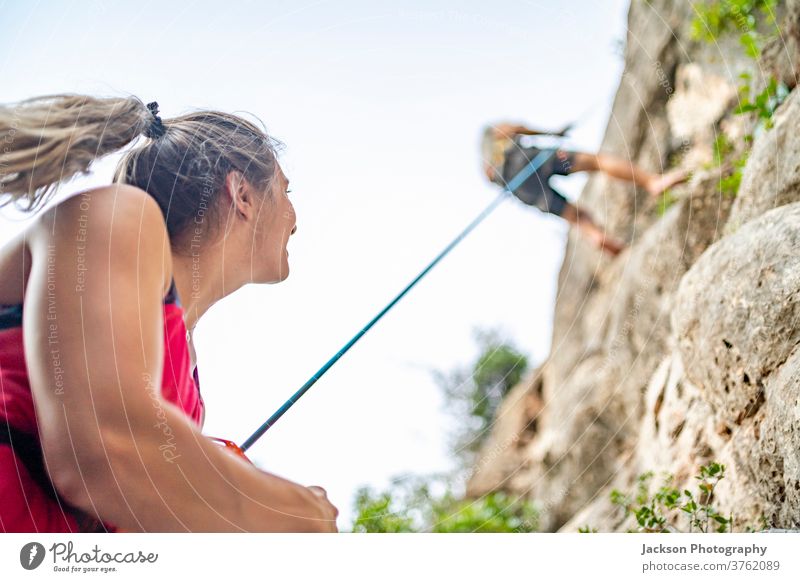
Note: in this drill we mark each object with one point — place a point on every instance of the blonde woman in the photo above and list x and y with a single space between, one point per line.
100 406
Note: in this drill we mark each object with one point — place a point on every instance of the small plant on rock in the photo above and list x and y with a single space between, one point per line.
655 512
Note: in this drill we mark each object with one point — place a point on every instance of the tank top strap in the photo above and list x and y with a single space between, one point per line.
172 294
10 315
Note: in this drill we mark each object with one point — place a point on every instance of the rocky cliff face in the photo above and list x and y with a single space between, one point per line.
684 349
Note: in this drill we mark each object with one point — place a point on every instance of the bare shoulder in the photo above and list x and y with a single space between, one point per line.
116 220
120 205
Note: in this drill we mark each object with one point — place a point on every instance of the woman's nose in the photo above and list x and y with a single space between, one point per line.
294 230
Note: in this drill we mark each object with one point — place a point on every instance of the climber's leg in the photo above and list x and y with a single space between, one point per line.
584 223
666 181
623 169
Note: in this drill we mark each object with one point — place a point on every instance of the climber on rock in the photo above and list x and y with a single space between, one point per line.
504 156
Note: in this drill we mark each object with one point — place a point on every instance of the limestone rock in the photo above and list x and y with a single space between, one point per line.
700 102
772 175
684 349
737 312
781 57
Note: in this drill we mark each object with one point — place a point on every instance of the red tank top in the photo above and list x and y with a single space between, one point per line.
28 502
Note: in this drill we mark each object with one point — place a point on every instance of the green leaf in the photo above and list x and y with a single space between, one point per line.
749 43
744 108
719 519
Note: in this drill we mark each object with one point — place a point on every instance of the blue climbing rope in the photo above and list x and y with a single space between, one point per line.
515 183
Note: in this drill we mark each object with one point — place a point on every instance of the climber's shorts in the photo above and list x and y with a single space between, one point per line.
536 191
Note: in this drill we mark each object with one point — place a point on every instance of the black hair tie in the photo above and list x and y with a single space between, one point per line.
156 128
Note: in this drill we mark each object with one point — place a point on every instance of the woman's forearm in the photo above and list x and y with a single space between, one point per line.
169 477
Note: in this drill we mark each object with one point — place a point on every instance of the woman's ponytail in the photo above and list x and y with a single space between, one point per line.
183 163
46 140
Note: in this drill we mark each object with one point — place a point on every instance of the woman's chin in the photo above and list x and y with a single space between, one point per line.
274 276
284 272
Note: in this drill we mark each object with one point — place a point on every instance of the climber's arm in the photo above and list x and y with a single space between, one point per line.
509 130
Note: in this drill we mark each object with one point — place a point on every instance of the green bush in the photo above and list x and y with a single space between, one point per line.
717 17
713 19
730 167
721 149
474 393
495 513
764 103
375 514
428 503
729 184
410 506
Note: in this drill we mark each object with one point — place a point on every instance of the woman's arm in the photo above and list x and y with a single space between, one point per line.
94 348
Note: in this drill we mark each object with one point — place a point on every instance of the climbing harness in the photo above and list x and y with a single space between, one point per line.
515 183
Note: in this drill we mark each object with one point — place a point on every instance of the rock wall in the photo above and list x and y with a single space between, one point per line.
685 348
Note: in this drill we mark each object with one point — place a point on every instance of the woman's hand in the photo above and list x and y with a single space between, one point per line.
566 129
328 508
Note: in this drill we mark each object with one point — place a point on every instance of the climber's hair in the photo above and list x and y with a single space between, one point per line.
49 139
492 148
488 138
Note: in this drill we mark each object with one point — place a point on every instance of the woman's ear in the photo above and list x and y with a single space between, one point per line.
239 195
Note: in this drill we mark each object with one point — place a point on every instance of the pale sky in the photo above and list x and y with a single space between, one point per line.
380 105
